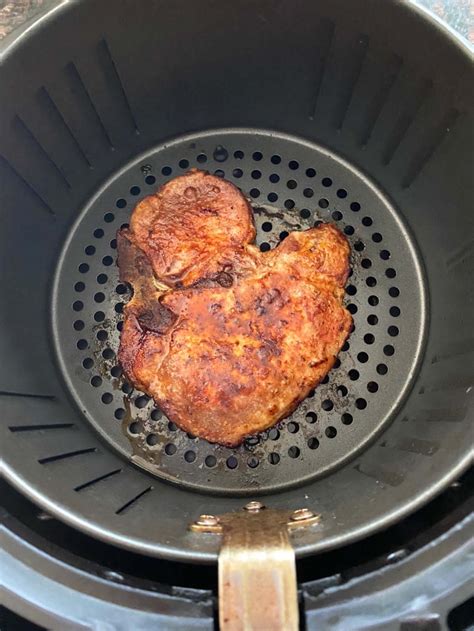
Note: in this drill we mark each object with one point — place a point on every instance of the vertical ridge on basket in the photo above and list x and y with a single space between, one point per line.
428 150
327 28
53 111
356 60
110 68
390 77
76 79
26 185
31 139
404 122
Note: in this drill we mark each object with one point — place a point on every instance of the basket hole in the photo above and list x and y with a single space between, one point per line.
313 443
78 305
388 350
341 193
342 391
99 316
294 452
362 357
257 156
372 386
120 203
108 353
352 308
311 417
331 432
119 414
267 226
232 462
96 381
99 297
366 263
272 197
264 247
393 331
274 178
141 401
382 369
152 440
310 172
78 325
355 207
102 279
102 335
170 449
116 371
273 458
353 374
155 415
274 434
256 175
308 192
190 456
376 237
107 398
326 181
373 301
254 193
237 173
327 405
98 233
291 184
367 221
359 246
150 180
293 427
289 204
109 217
172 427
210 461
349 231
201 158
337 215
361 403
346 418
166 170
293 165
184 164
253 462
88 363
83 268
135 190
134 428
394 312
371 281
275 159
305 213
369 338
394 292
372 319
390 272
81 344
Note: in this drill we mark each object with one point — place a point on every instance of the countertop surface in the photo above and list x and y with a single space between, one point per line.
459 14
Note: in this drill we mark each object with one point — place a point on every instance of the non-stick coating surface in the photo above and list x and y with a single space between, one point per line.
369 94
291 185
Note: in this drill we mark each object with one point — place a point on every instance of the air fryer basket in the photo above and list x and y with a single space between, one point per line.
359 113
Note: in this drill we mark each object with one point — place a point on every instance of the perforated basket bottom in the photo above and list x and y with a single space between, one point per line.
291 185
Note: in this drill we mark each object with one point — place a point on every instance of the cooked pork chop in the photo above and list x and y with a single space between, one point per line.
227 339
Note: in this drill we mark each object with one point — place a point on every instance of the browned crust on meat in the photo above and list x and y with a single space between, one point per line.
242 337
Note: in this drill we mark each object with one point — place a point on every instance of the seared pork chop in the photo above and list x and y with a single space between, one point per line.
227 340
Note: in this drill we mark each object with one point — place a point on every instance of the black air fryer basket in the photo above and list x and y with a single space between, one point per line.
357 113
